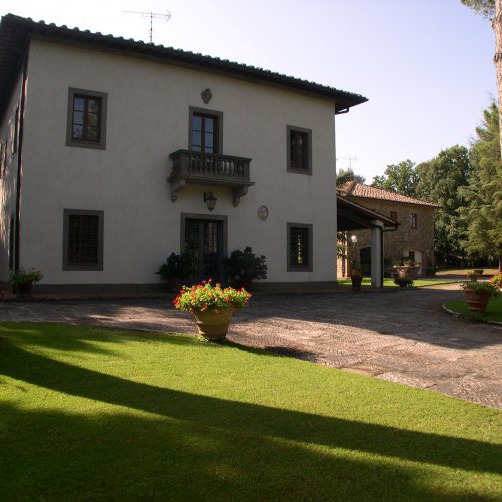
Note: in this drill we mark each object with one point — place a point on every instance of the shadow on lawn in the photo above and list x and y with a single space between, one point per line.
251 446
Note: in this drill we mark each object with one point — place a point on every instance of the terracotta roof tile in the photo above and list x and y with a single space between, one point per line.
16 30
354 189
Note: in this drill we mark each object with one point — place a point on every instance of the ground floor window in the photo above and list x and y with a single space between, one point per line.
300 247
82 240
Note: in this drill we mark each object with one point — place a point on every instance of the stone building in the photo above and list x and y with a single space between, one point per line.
413 238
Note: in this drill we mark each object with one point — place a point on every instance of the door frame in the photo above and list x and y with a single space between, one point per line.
207 217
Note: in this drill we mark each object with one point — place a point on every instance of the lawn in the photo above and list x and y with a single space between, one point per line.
387 282
493 310
107 414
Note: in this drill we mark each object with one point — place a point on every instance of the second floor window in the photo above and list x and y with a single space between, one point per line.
414 220
206 130
205 133
299 150
86 119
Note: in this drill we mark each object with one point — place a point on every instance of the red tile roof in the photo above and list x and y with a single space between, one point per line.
354 189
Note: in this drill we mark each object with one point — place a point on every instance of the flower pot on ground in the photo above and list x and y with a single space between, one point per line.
407 271
478 294
22 280
356 281
497 280
212 307
243 267
404 282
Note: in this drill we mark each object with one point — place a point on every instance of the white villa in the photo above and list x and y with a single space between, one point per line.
113 153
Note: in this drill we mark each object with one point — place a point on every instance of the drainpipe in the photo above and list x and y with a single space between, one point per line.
17 215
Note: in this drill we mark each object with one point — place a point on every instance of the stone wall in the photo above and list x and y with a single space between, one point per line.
419 241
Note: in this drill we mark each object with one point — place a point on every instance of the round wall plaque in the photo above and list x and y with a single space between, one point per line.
263 212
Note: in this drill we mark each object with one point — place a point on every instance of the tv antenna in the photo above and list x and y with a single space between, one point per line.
152 16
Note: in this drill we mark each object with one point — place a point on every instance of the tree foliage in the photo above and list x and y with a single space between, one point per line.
399 178
483 211
345 175
439 181
483 7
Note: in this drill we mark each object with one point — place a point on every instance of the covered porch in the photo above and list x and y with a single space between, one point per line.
351 217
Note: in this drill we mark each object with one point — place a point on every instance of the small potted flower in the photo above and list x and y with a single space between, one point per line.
403 282
212 306
356 277
497 280
478 294
473 275
22 280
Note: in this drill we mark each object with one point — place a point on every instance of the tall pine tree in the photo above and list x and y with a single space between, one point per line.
483 195
439 181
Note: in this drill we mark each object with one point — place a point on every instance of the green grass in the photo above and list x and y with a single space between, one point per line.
493 310
94 413
390 282
465 271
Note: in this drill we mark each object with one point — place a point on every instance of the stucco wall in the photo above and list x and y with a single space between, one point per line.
148 112
398 244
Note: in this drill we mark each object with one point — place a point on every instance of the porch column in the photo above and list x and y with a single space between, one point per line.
376 253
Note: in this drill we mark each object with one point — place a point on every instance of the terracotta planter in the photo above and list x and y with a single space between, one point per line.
214 325
24 289
477 301
356 282
410 271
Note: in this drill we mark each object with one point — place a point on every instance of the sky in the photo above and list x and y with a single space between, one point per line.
425 65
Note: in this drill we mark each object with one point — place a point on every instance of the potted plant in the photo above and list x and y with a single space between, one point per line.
473 275
356 277
243 267
175 270
497 280
478 294
22 280
408 268
212 306
404 282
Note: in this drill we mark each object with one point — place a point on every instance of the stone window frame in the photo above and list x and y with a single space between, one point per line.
414 220
219 129
70 141
66 220
310 232
308 132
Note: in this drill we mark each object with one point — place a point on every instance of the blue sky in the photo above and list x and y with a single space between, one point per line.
425 65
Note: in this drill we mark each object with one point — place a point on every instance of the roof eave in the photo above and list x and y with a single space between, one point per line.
25 28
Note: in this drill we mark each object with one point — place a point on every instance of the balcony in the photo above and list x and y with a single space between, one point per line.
209 169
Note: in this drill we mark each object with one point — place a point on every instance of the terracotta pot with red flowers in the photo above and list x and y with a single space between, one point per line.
478 295
212 306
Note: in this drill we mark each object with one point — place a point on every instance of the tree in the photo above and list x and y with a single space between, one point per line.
439 181
400 178
345 175
492 10
483 212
